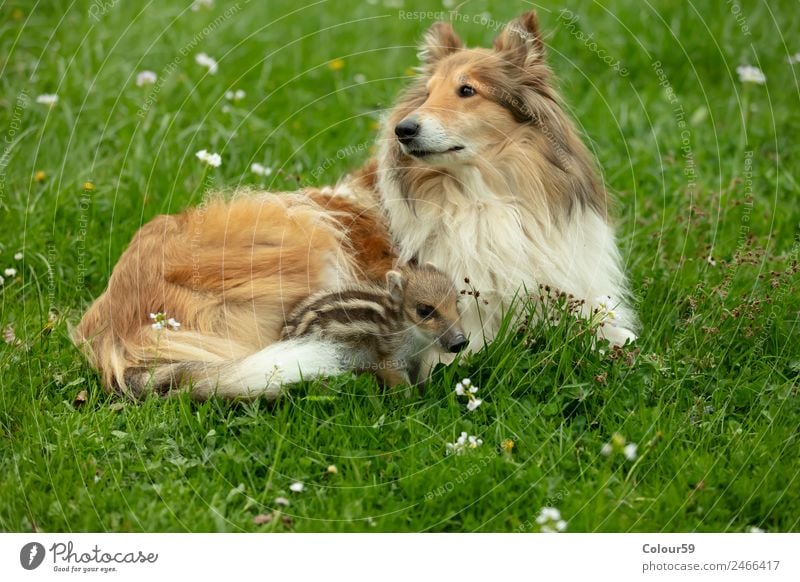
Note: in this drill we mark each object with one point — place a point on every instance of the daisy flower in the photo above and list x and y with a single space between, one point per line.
206 61
751 74
146 78
47 99
297 487
260 170
213 160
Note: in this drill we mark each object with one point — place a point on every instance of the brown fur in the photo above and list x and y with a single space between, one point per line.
377 323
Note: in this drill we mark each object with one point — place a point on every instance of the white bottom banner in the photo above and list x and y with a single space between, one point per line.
390 557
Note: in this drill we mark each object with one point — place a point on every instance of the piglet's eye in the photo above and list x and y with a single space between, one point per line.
425 311
466 91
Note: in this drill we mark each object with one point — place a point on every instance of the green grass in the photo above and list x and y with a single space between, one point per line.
710 394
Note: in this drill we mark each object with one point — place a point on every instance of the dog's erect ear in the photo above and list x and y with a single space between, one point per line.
394 283
440 40
521 41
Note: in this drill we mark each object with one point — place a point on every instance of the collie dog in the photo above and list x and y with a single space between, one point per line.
479 172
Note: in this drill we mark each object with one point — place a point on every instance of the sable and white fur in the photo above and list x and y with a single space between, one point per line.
497 187
494 185
385 329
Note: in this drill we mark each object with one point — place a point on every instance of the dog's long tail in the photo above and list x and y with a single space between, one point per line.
263 374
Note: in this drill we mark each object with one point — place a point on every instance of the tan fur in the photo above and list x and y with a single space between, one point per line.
525 207
228 272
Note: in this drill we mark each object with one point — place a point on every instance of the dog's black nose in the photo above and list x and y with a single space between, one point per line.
406 130
458 344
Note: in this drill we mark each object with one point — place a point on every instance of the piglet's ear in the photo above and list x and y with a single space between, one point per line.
394 283
440 41
520 41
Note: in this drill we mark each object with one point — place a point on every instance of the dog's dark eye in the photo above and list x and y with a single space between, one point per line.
425 311
466 91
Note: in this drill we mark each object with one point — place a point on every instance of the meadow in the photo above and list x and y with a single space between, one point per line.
702 161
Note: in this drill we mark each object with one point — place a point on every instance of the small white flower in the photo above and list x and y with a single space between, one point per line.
213 160
297 487
711 261
282 501
198 4
226 108
158 326
605 308
448 3
460 389
463 442
146 78
237 95
751 74
206 61
473 389
793 59
630 451
173 323
260 170
754 529
606 450
47 99
359 78
18 256
10 272
2 281
466 382
473 404
160 321
549 520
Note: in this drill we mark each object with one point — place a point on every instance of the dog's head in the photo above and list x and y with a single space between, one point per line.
470 100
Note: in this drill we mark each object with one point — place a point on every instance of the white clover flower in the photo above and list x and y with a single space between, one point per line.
473 404
282 501
751 74
18 256
206 61
237 95
630 451
793 59
146 78
10 272
606 450
297 487
47 99
549 520
260 170
198 4
213 160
